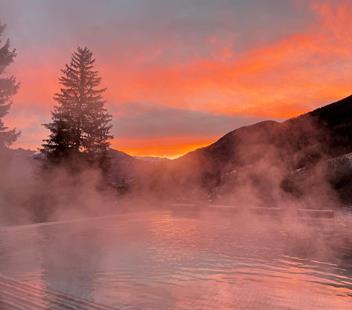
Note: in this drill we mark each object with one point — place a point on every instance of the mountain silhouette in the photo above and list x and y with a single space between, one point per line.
271 150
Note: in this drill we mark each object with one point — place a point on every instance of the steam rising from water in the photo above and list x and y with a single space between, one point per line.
186 256
265 165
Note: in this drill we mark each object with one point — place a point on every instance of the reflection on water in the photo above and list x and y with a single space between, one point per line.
162 260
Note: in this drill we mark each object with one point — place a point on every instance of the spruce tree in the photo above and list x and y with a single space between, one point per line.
8 88
80 123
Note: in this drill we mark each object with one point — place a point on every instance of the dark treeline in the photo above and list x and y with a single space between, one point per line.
8 88
74 159
78 141
80 127
9 182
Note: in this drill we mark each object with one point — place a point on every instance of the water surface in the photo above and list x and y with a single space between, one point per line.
186 260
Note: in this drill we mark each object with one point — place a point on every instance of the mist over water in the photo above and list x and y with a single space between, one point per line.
242 242
186 259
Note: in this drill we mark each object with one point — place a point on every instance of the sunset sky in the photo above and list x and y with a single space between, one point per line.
180 74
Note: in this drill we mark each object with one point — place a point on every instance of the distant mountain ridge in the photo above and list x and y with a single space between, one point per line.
334 119
299 142
152 158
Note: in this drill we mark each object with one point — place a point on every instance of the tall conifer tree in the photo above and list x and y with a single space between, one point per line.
8 88
80 123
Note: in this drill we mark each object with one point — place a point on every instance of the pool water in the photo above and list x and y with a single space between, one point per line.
186 260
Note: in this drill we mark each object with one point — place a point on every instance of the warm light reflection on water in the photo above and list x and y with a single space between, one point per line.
185 260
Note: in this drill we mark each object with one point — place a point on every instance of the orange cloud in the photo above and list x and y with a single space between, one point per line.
281 79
